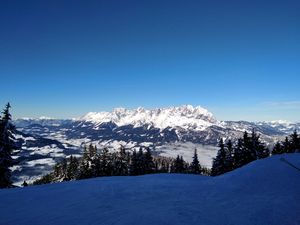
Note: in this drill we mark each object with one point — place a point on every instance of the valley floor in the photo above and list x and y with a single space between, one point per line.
263 192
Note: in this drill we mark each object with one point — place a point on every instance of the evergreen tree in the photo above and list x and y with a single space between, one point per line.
85 155
6 116
72 168
94 161
254 144
133 167
195 167
295 142
184 166
140 162
258 149
178 165
148 162
165 166
47 179
24 184
162 164
238 154
63 170
218 167
122 150
7 146
92 152
84 165
278 148
247 149
60 171
286 145
228 164
105 163
120 165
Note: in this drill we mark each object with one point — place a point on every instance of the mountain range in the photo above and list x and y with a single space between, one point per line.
168 131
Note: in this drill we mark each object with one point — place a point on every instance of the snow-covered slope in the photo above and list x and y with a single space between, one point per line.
263 192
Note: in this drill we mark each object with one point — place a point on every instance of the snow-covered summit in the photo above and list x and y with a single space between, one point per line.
186 116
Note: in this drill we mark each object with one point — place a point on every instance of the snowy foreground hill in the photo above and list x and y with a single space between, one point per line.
264 192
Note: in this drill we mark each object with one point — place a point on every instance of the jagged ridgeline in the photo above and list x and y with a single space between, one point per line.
152 127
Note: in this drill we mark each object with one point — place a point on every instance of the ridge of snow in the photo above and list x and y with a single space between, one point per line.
186 116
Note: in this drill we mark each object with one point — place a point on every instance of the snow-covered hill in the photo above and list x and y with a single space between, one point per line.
263 192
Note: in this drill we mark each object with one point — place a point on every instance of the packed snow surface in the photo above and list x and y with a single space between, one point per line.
264 192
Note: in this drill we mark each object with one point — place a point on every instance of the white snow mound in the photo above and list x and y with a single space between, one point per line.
264 192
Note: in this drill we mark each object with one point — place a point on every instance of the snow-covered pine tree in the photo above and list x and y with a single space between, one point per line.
64 167
162 164
60 171
94 161
106 162
7 146
84 165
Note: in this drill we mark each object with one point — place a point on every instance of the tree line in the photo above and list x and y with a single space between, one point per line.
100 163
249 148
291 144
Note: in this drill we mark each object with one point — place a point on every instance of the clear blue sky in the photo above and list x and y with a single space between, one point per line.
240 59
